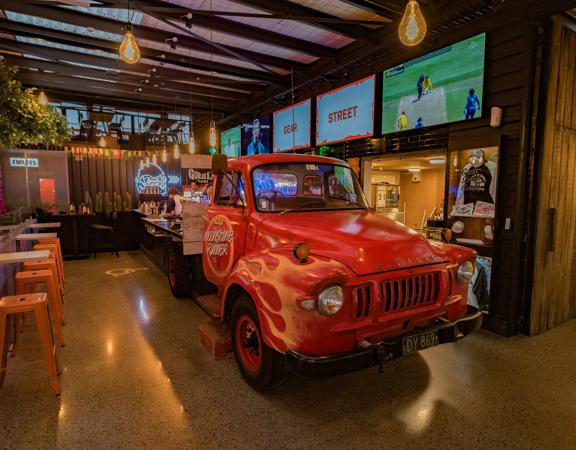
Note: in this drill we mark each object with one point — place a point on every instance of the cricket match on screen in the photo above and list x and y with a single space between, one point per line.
440 87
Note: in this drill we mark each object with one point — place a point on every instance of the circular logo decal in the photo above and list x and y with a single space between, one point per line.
219 245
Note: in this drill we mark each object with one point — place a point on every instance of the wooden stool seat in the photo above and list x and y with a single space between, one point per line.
36 304
26 283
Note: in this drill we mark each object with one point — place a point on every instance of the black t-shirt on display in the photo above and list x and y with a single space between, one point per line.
476 186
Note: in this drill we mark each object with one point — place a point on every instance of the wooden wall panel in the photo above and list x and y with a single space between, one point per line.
554 284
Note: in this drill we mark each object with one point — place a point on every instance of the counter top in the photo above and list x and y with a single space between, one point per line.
165 226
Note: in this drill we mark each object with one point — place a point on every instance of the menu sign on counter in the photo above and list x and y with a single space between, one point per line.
292 127
346 113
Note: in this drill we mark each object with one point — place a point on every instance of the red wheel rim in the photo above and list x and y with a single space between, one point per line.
171 274
249 343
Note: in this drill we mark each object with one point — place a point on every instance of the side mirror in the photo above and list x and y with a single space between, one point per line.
219 164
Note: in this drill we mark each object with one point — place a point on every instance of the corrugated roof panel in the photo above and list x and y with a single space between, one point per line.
233 41
291 28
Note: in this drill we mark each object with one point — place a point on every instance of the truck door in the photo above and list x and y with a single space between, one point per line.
225 230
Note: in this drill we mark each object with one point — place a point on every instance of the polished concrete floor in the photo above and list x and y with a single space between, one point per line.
136 376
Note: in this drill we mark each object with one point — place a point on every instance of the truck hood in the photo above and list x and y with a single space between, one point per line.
362 240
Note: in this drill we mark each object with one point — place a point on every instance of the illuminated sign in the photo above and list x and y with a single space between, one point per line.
151 175
292 127
346 113
25 162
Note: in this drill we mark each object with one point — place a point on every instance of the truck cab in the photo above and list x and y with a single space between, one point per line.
311 280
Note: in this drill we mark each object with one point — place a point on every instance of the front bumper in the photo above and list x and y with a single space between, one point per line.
323 366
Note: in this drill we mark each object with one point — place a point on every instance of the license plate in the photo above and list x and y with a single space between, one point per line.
420 341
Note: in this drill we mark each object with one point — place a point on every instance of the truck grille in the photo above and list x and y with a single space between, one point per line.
405 293
363 301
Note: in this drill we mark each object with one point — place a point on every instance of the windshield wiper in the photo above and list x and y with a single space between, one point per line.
301 207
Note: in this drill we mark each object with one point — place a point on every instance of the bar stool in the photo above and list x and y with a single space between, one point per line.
47 264
55 241
21 304
26 283
54 251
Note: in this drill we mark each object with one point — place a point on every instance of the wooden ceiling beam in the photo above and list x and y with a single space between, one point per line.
112 26
357 32
233 28
96 88
138 81
56 54
87 42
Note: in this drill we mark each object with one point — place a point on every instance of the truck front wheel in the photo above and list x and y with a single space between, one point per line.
261 367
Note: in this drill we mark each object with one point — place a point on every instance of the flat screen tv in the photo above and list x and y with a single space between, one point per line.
441 87
231 141
256 136
346 113
292 127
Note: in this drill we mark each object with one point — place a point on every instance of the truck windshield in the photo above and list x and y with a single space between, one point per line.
305 187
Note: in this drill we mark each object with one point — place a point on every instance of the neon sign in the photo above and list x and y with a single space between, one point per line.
25 162
151 175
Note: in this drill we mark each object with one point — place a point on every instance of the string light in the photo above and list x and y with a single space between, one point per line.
42 99
412 29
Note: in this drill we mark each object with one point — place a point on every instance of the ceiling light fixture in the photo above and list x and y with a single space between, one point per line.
414 169
176 151
129 51
212 132
412 29
42 99
438 161
102 142
164 155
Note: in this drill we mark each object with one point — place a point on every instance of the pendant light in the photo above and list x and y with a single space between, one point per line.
191 142
154 159
164 155
102 142
176 151
212 135
129 51
413 26
42 99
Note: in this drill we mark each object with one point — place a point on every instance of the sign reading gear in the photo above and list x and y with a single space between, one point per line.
346 113
292 127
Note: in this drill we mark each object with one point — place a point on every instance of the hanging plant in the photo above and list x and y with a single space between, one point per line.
23 121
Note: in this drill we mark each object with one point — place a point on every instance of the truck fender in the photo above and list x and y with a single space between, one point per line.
265 302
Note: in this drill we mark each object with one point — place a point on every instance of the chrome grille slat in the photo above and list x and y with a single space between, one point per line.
410 292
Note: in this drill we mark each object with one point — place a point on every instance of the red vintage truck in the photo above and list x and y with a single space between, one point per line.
310 280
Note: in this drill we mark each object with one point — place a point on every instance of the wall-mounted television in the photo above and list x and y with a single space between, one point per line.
346 113
441 87
256 136
292 127
231 141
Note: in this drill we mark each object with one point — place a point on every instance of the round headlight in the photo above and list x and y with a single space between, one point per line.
330 300
465 272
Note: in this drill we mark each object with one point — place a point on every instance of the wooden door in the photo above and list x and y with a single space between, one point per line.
554 288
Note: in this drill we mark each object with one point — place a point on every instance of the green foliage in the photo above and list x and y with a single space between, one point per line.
22 120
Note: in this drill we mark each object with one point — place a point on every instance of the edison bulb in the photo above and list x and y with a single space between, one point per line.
102 142
413 26
129 51
42 99
212 136
164 155
154 159
176 151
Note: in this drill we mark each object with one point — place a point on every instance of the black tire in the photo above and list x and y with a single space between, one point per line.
179 276
272 369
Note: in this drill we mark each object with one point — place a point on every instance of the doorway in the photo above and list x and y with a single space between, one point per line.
554 282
